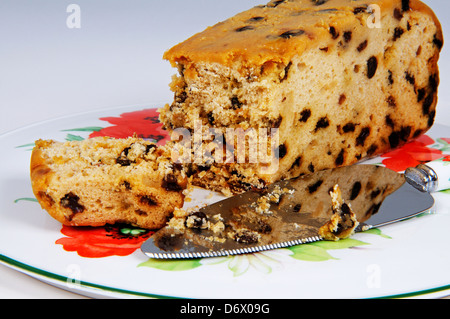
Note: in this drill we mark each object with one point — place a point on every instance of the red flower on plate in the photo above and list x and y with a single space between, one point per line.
97 242
412 154
144 124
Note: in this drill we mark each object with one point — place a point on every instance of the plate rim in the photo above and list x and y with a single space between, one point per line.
41 274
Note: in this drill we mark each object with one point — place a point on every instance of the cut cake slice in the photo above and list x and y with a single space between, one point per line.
341 81
103 180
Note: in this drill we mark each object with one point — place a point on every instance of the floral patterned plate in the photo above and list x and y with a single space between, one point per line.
409 259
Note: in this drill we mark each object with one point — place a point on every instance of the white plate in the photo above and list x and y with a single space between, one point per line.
408 259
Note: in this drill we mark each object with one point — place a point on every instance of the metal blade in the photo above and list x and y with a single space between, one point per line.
289 213
407 202
194 251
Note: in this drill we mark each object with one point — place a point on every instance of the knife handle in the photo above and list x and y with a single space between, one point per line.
430 177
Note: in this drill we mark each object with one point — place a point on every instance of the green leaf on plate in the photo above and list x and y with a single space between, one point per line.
377 231
308 252
132 231
26 145
171 265
318 251
71 137
341 244
26 199
85 129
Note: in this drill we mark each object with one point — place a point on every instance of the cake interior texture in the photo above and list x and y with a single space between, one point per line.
340 81
102 181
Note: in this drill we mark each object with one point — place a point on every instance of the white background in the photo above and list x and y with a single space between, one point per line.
48 70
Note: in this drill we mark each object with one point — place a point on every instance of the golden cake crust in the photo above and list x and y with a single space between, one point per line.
275 32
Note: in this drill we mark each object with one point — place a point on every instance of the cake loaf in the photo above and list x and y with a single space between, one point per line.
103 180
340 80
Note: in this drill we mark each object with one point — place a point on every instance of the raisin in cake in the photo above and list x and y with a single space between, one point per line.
341 80
103 180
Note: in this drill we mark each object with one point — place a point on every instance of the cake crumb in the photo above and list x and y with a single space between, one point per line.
262 205
343 221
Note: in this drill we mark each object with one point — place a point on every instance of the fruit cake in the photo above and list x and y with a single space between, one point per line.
340 80
103 180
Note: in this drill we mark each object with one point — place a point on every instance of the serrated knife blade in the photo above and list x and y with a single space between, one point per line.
290 213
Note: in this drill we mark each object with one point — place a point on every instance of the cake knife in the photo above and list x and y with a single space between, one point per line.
291 212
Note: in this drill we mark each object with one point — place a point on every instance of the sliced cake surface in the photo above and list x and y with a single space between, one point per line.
102 181
339 80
